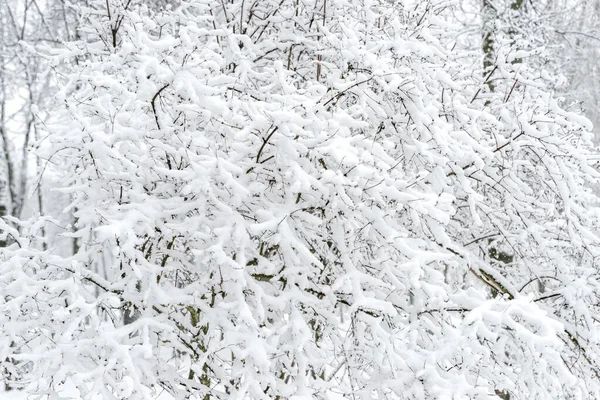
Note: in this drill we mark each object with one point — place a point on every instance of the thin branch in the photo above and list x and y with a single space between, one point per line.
265 141
154 105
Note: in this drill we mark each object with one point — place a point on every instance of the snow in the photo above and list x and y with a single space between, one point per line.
303 199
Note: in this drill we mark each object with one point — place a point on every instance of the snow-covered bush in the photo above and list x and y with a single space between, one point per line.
297 198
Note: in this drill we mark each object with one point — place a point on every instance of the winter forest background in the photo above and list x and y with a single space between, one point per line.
299 199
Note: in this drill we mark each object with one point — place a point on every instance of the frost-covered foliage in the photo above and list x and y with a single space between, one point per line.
299 198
